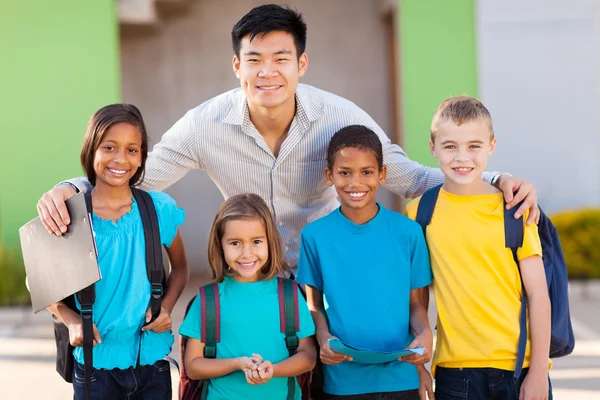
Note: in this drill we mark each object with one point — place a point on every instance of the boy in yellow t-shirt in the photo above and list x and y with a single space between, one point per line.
476 280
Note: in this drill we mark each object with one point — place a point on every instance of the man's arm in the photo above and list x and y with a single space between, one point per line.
535 385
177 153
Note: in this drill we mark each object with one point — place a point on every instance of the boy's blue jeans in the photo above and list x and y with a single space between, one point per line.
479 384
149 382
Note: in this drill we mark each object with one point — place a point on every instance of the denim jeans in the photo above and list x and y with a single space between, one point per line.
149 382
403 395
479 384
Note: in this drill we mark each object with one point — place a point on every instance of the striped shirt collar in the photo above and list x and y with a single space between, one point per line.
308 109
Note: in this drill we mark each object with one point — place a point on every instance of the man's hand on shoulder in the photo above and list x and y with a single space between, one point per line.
516 190
53 210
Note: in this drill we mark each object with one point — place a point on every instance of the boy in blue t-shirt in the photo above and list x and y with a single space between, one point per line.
369 262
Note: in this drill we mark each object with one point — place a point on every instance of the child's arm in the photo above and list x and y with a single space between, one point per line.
198 367
419 323
72 320
425 383
304 360
180 273
314 300
535 384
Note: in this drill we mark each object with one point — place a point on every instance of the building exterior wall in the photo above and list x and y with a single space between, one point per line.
59 65
187 60
438 60
539 76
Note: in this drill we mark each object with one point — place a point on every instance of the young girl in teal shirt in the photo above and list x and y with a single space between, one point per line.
252 362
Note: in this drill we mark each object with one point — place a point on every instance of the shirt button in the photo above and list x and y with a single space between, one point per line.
287 248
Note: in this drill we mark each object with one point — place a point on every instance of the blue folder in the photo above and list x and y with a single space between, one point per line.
365 356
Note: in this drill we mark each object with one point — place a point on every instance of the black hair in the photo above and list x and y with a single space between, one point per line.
102 121
357 136
268 18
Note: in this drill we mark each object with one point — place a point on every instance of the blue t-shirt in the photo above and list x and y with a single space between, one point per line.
249 325
123 292
366 273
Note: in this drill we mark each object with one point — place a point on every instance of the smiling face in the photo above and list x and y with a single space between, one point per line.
356 176
245 248
268 69
118 155
462 152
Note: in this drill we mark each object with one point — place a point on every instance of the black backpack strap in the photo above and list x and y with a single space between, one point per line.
514 233
426 207
86 298
154 261
210 317
289 322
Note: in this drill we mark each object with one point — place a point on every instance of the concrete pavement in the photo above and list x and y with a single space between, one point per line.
27 351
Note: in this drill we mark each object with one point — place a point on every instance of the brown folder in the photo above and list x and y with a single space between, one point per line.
58 266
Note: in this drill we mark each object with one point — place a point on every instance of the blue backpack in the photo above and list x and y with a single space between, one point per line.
562 340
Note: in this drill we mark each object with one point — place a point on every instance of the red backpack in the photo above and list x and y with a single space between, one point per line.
191 389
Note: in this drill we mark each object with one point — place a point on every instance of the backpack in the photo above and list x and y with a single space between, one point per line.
86 297
191 389
562 340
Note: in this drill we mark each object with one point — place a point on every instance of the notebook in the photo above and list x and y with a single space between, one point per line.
365 356
59 266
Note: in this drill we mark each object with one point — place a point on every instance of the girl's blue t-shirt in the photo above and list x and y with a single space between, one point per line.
123 292
249 325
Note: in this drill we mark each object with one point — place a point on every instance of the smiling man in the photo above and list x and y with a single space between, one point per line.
270 137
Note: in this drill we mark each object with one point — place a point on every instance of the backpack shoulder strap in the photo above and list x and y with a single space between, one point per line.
86 299
154 261
210 306
427 206
513 229
514 233
289 322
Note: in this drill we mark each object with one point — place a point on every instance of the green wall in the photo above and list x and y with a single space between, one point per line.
437 60
60 63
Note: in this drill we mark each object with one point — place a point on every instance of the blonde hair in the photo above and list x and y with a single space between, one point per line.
244 207
461 109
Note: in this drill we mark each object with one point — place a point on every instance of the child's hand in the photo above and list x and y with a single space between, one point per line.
328 356
425 384
425 340
76 333
263 374
246 364
257 359
534 387
162 323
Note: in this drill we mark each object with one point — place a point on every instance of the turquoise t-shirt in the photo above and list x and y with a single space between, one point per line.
249 325
366 272
123 292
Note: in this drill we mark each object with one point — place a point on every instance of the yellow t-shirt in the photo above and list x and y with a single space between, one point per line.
475 281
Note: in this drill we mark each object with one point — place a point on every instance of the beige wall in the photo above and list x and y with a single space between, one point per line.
187 60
